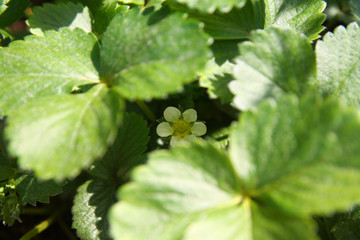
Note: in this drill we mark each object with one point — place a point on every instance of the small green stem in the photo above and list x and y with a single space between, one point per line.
40 227
146 110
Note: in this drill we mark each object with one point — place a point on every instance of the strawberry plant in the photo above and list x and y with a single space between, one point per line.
182 119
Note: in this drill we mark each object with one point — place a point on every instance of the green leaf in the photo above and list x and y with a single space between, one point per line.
104 15
5 38
248 221
156 4
148 55
91 205
190 193
14 11
209 6
49 65
338 64
10 205
347 225
356 8
96 196
232 25
55 16
129 144
305 16
216 78
3 6
68 131
171 190
197 190
6 170
137 2
32 190
275 62
225 50
299 157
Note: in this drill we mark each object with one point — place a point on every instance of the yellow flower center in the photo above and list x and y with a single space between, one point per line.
181 128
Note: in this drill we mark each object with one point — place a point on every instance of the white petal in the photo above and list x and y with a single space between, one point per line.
189 137
190 115
164 129
198 129
172 114
175 140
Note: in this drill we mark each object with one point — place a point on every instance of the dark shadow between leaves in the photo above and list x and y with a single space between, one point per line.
156 16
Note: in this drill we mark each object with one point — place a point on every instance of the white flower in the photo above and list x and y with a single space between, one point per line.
180 126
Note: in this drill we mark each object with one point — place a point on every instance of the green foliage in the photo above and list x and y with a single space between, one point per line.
11 11
53 17
275 62
71 130
210 6
237 23
216 78
338 63
356 8
3 5
30 69
10 206
139 63
95 197
31 190
286 166
199 190
305 16
137 2
347 224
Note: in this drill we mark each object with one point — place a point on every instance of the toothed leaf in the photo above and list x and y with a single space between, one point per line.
49 65
148 55
338 64
67 131
55 16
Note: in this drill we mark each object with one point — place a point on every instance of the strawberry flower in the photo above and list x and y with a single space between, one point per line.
180 126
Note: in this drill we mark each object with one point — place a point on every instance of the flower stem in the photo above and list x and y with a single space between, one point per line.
149 114
41 226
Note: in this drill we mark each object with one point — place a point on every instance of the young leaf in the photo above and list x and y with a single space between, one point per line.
299 157
259 192
70 131
31 190
275 62
216 78
338 65
91 205
95 197
148 55
209 6
49 65
55 16
305 16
